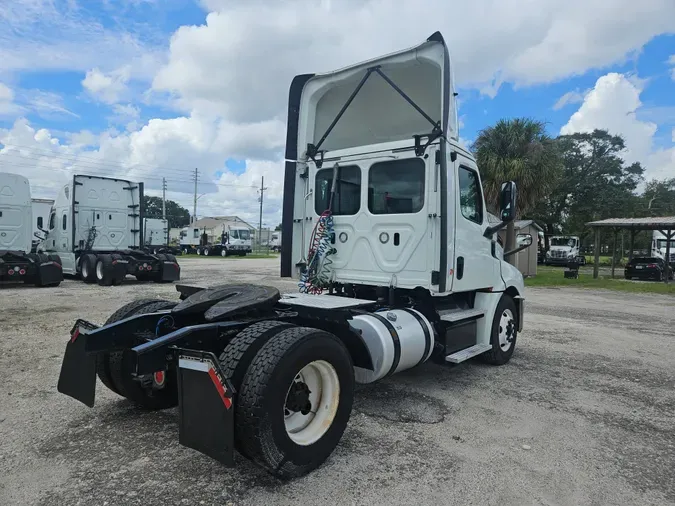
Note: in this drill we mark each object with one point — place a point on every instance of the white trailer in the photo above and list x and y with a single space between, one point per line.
96 228
660 244
386 231
17 262
233 240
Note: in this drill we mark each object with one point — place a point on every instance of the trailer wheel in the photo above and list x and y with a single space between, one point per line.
88 268
154 395
504 332
295 401
105 270
103 359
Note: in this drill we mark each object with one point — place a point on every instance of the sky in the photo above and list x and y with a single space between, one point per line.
152 89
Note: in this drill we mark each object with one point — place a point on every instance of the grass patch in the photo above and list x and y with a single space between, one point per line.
551 276
234 257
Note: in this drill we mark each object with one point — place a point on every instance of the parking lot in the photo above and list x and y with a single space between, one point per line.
583 414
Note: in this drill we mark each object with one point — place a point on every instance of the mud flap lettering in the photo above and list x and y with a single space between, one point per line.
78 370
205 402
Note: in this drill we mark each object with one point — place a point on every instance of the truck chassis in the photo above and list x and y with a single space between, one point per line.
108 269
271 376
30 268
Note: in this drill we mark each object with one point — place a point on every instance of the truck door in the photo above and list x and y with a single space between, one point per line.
381 223
475 267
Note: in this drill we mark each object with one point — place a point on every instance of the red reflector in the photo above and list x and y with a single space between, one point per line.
22 271
652 266
75 334
149 267
159 377
10 272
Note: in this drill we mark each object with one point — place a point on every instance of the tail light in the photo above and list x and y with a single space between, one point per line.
652 266
22 272
10 272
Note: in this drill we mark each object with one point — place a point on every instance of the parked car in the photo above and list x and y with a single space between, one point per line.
647 268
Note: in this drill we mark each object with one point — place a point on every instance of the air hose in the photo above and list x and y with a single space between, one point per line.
317 275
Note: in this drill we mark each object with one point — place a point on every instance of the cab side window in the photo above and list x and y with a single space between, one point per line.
470 197
52 221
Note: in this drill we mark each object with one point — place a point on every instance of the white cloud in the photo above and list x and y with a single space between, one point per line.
40 35
571 97
220 66
163 148
613 105
671 61
7 105
110 87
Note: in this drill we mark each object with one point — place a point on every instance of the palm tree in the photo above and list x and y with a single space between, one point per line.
517 150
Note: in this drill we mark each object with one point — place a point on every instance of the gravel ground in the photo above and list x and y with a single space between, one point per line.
583 414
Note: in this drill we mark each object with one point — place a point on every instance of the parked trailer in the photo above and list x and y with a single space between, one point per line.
385 228
17 263
95 227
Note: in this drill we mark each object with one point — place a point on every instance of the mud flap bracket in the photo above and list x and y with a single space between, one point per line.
205 405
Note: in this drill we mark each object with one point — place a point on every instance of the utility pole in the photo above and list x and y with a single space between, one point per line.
262 194
194 208
164 198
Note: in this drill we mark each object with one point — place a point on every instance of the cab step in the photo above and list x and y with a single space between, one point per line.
460 315
468 353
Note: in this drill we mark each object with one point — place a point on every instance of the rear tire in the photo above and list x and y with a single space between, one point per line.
127 386
88 268
105 270
504 332
102 359
267 401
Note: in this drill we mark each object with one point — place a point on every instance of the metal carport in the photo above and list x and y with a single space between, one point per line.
665 225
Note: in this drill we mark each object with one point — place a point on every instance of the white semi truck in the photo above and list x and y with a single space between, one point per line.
659 245
385 229
275 241
95 226
232 240
17 262
564 249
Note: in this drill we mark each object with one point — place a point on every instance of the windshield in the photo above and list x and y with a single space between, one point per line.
240 234
661 244
563 241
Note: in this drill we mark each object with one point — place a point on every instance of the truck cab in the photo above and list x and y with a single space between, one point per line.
18 263
235 240
659 245
564 249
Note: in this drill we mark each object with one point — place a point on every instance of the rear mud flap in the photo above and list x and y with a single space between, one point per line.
206 406
78 370
50 273
170 271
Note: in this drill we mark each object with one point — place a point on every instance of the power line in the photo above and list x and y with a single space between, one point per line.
118 176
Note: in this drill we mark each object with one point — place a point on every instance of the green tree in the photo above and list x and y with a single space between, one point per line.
658 198
278 227
596 184
176 215
517 150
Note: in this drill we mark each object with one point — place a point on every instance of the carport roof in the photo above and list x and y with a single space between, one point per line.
658 223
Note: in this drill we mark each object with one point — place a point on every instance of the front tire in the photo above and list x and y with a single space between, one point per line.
295 401
504 332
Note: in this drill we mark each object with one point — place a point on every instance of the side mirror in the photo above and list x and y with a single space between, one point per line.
507 202
523 241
